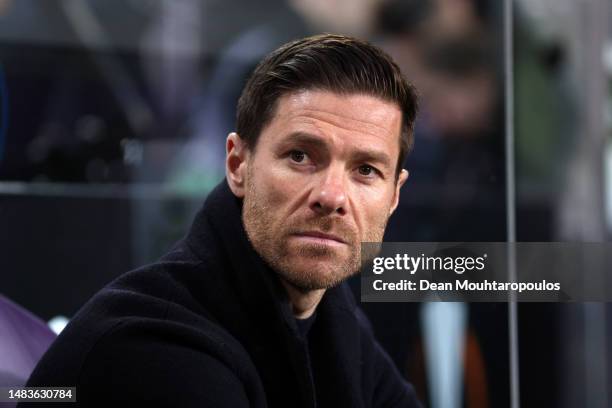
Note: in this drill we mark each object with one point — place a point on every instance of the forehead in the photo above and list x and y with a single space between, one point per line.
362 116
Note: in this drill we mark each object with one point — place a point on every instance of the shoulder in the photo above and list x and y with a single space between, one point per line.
165 364
148 335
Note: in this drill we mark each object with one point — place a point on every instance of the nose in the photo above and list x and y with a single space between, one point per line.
329 194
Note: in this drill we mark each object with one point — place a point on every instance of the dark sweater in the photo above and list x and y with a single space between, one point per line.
210 325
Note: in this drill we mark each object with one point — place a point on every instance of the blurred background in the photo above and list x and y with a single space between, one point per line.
113 117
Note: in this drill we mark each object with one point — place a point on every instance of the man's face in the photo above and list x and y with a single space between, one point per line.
320 181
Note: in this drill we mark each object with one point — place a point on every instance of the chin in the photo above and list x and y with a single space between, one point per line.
314 275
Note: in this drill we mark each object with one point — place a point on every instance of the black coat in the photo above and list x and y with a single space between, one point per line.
210 325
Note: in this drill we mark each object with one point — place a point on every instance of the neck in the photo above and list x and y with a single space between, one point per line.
303 303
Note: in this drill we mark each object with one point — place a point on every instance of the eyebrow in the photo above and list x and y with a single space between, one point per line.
366 155
303 138
373 156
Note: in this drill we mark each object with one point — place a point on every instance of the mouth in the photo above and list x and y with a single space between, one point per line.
319 238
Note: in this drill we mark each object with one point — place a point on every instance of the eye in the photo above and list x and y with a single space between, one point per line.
366 170
297 156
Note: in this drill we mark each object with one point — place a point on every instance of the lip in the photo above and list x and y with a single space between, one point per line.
320 237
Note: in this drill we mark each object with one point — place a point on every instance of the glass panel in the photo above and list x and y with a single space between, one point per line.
457 354
562 100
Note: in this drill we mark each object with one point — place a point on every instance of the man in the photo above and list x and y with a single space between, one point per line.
249 309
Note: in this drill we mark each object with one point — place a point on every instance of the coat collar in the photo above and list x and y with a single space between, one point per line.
218 231
263 322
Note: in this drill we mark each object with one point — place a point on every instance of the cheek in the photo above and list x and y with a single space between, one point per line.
372 211
276 187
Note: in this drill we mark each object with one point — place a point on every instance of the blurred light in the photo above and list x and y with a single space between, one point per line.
132 151
58 323
608 184
607 58
444 329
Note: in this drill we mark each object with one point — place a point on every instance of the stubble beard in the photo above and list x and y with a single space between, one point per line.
270 238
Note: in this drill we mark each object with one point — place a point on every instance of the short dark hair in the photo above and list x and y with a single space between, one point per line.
327 62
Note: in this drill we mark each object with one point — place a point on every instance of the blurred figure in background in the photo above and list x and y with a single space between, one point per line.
453 52
449 50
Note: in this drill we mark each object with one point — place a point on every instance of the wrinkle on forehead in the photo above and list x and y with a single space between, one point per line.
380 119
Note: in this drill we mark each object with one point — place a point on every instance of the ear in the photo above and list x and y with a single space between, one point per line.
403 176
236 163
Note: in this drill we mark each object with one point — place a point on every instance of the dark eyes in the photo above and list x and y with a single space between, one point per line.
365 170
297 156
